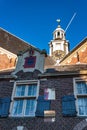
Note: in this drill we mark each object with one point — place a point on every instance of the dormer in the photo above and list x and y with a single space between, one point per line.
30 60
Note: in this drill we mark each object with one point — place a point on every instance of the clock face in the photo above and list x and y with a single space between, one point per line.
58 54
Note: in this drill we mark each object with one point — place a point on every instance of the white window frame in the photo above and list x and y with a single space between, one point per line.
83 78
19 82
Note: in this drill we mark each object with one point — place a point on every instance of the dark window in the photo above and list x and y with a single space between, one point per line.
30 62
58 34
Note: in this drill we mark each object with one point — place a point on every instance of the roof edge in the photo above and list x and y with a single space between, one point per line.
65 73
25 42
76 47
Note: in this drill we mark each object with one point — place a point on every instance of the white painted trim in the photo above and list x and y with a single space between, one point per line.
11 105
7 69
8 52
26 81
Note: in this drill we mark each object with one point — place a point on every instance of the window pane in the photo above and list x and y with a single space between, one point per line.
32 90
17 107
82 104
30 107
20 90
81 87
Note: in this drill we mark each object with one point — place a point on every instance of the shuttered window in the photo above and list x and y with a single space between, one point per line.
68 105
42 105
4 106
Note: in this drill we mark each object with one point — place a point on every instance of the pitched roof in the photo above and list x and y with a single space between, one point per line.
49 61
13 43
74 50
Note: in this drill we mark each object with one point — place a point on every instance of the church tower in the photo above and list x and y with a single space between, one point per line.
59 46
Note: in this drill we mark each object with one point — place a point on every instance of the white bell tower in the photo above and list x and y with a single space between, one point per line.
59 46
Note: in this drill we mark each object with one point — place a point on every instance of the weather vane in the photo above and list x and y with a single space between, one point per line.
58 20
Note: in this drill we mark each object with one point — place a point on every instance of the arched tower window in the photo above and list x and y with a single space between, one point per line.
58 33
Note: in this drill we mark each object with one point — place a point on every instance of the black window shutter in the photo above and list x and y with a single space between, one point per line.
68 105
5 104
42 105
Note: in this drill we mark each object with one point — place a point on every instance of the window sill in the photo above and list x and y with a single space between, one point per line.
80 116
22 116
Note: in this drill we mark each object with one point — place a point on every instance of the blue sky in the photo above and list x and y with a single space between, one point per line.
35 20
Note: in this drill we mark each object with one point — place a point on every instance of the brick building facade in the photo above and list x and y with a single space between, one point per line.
63 85
40 94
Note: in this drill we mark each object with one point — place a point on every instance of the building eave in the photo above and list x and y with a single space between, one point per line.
65 73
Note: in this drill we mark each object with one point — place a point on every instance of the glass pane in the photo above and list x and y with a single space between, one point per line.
30 107
17 107
81 87
20 90
79 91
82 104
32 90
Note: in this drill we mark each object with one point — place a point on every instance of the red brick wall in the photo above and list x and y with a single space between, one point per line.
5 62
82 58
63 86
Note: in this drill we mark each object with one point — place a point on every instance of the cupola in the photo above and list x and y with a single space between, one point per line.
59 46
59 33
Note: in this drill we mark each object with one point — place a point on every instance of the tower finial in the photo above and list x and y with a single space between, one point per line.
58 20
